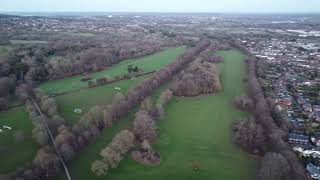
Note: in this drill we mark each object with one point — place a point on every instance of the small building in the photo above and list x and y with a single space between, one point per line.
78 111
315 139
286 102
307 107
316 116
300 139
316 108
301 100
295 124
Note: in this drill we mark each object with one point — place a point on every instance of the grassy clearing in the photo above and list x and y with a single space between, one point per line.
79 34
87 98
15 154
194 130
27 42
147 63
4 51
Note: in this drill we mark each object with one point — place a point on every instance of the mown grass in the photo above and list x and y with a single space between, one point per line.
87 98
14 154
194 129
4 51
28 42
147 63
81 34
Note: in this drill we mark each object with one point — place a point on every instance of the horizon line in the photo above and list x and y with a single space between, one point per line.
174 12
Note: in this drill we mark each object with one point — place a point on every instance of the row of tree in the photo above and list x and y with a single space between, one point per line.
91 124
121 104
261 134
53 119
7 89
208 54
34 63
113 153
198 78
47 160
145 130
100 81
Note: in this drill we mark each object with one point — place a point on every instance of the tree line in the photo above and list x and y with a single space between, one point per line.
71 140
262 135
143 132
34 64
113 153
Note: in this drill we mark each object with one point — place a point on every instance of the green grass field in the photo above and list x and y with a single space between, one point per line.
87 98
15 154
28 42
81 34
4 51
147 63
194 130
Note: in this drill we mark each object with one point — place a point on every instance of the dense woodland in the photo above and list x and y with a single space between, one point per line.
201 76
198 78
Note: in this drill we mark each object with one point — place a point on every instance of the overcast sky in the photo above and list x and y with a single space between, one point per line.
251 6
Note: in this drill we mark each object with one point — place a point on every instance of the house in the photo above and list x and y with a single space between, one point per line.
307 107
315 139
316 116
301 101
295 124
286 102
313 171
316 108
301 120
300 139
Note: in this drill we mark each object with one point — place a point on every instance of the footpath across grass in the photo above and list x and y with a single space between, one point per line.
147 63
13 153
194 129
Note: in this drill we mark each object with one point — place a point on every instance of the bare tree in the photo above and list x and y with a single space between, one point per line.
144 127
99 168
274 166
249 135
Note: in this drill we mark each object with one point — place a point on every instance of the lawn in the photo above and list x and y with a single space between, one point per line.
82 34
87 98
194 130
15 154
28 42
147 63
4 50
